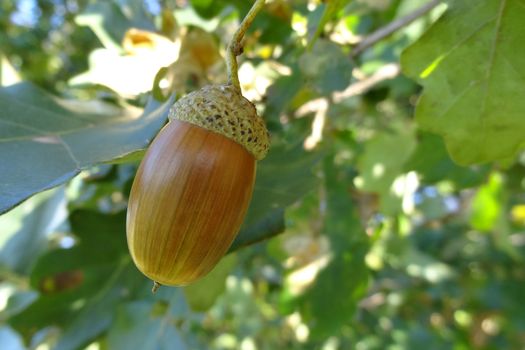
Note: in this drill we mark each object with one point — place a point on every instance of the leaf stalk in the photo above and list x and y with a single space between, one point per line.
235 47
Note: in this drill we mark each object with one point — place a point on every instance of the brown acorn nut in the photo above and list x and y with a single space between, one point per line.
194 185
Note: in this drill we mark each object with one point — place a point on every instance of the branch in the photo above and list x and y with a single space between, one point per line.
388 71
235 45
319 106
392 27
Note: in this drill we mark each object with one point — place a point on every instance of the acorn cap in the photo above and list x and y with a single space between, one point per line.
222 109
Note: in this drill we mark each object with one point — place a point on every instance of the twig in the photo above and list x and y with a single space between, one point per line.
317 125
235 45
319 106
388 71
390 28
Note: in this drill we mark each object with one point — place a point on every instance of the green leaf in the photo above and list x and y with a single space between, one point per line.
202 294
25 228
280 94
45 141
283 177
327 66
332 301
90 229
473 74
81 287
383 160
431 160
208 8
255 231
330 10
138 327
99 311
487 204
17 302
273 29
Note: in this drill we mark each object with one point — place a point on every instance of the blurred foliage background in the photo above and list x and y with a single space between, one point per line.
363 233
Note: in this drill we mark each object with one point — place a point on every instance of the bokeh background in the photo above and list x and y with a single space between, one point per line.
363 233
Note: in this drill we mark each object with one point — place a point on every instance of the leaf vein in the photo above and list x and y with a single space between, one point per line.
69 151
23 126
39 109
511 65
470 36
490 68
455 101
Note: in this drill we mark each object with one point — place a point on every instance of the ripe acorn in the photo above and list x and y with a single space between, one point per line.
194 185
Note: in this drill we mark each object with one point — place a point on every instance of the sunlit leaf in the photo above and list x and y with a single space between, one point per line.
473 77
132 72
487 204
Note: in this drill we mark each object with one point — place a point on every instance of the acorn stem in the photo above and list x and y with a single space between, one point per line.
156 286
235 46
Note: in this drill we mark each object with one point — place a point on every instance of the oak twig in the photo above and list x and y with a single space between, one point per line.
235 46
319 106
390 28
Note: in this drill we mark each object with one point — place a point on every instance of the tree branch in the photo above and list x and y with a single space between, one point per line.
392 27
388 71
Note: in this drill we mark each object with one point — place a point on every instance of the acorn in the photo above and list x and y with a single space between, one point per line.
194 185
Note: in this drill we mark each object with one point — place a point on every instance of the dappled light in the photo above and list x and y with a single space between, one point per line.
386 140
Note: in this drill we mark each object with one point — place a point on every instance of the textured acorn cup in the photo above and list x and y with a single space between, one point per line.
194 185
